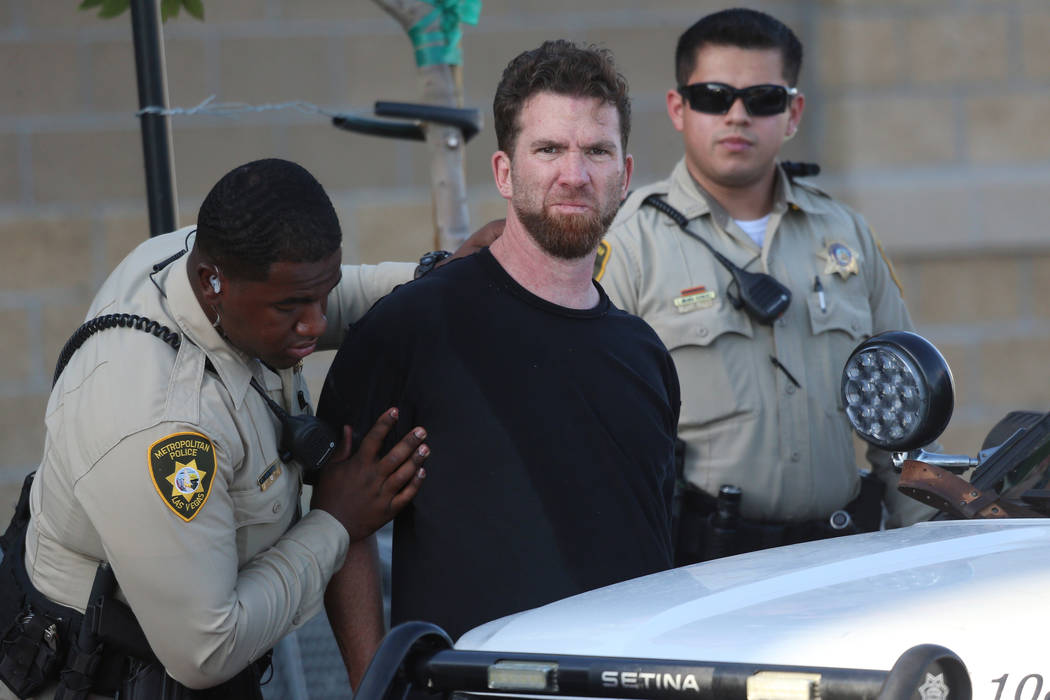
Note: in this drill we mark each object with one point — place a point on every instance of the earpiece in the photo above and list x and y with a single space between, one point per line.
215 284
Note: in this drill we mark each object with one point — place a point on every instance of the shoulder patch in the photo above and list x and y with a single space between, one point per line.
601 260
633 201
182 467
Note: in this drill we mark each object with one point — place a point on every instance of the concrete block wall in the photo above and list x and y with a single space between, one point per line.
927 115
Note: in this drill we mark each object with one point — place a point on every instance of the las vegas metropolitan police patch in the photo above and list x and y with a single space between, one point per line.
182 467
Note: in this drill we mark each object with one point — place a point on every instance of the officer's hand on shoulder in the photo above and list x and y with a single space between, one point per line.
367 490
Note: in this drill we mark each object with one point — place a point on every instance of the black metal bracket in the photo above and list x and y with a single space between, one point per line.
468 120
419 655
388 677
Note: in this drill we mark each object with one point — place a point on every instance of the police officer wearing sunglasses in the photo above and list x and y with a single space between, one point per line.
759 337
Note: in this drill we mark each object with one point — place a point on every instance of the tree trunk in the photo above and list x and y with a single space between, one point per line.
440 84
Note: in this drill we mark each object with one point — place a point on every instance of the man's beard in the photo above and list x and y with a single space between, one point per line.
567 236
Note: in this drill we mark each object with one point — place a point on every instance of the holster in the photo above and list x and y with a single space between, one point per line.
866 508
694 509
699 538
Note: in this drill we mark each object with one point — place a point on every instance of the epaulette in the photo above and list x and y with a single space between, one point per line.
811 188
631 204
796 170
633 201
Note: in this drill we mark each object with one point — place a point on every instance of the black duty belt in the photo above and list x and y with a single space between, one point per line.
703 536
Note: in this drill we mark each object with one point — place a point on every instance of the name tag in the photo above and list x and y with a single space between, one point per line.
694 298
269 476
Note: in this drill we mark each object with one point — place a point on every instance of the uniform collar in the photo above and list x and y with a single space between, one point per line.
232 366
797 196
687 196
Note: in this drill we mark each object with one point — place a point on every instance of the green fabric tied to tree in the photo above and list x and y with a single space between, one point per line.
441 45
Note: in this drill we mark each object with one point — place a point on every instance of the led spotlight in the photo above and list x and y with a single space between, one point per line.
898 391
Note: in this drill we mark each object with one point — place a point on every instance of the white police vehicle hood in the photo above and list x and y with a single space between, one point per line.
979 588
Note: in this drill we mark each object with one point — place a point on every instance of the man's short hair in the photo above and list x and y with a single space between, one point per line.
263 212
563 68
742 28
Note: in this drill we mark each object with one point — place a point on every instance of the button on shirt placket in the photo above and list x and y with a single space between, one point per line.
791 415
792 408
293 385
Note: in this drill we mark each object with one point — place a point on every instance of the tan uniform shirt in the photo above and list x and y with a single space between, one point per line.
744 421
171 473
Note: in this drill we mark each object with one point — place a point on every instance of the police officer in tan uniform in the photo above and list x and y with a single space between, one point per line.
168 463
760 403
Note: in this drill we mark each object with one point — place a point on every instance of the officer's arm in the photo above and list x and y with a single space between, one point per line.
206 614
885 295
888 312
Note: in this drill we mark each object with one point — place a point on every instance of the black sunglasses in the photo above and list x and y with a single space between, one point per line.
718 98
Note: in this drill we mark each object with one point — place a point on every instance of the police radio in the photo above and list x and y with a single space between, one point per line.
760 295
304 438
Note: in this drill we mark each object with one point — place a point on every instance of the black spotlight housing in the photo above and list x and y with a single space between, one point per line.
898 391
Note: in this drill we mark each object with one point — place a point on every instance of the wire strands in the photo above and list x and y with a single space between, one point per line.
101 323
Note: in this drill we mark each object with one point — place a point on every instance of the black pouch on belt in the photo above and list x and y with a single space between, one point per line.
12 542
29 654
30 649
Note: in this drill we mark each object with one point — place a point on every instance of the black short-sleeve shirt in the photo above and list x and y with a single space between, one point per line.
551 430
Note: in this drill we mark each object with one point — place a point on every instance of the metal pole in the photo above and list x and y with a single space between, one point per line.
156 128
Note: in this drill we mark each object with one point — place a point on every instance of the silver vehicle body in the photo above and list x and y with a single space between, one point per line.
980 588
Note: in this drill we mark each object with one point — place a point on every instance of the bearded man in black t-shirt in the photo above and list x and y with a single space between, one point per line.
550 413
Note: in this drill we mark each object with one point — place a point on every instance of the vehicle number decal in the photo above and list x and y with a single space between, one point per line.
1029 688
